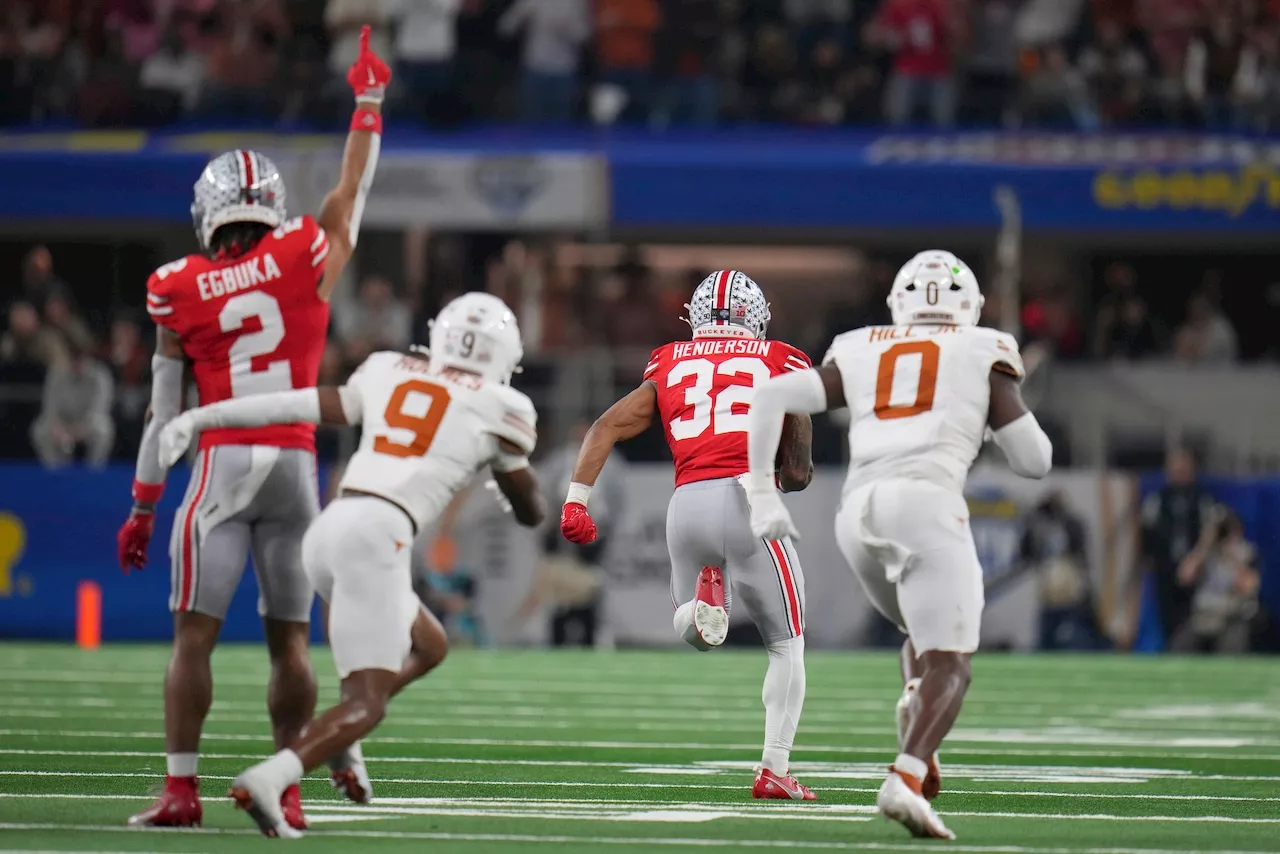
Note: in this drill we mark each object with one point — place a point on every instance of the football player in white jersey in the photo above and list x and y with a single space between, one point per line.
922 395
430 425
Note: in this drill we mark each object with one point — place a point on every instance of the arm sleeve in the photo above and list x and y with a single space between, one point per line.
518 423
1025 445
166 401
800 392
259 410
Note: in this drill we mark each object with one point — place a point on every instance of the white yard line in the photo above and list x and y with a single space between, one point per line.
580 784
639 841
1163 752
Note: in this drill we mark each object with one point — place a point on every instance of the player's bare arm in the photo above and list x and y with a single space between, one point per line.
343 208
520 487
1015 430
626 419
795 454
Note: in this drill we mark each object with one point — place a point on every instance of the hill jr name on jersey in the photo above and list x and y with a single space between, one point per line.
240 277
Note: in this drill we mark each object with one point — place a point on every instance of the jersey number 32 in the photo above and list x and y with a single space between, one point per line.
715 410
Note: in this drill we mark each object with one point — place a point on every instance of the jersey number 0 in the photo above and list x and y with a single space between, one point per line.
423 427
887 379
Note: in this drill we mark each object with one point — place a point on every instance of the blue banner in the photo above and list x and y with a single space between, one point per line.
741 179
59 528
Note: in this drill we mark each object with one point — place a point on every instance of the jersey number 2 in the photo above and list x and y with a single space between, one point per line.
887 379
423 426
717 410
274 376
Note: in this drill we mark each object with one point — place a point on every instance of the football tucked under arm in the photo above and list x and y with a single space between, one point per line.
801 393
794 462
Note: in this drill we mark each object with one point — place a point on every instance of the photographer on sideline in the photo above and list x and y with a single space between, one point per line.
1222 569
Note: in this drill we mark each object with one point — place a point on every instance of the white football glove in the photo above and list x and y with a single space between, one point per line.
770 519
175 438
503 502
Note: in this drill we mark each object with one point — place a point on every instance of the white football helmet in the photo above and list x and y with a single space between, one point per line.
477 332
935 287
728 303
238 186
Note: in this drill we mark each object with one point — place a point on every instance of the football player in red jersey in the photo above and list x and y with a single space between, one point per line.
701 389
249 314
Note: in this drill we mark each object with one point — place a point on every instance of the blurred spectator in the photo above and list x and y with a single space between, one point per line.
1050 317
27 349
1222 569
1053 547
343 19
425 50
1173 520
171 78
921 34
992 69
59 317
1115 71
1135 334
768 76
1213 63
377 320
1257 88
130 366
692 34
39 282
246 38
554 32
75 411
814 21
630 312
1054 92
624 34
1206 337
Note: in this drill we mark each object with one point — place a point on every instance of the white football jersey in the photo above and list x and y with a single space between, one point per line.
918 398
427 432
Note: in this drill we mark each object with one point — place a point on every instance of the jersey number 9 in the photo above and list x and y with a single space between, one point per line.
423 427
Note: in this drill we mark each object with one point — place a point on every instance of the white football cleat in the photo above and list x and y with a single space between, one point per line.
348 774
261 801
932 782
897 802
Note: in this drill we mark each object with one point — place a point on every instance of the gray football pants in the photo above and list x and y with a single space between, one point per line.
245 500
708 524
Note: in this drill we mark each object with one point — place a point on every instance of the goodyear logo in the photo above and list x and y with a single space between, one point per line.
13 541
1229 191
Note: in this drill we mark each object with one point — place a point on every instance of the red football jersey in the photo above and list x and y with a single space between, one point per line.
251 324
704 394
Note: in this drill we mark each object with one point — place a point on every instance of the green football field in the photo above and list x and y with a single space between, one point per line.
650 751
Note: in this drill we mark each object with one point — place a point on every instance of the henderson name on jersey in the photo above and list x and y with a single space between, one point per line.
704 394
250 324
918 398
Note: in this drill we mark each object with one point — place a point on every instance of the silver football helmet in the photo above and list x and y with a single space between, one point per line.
238 186
728 303
935 287
477 332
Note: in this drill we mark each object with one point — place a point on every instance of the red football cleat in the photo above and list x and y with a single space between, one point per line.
177 806
291 806
709 615
770 786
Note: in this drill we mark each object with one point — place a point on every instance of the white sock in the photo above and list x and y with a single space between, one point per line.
282 770
181 764
783 696
688 632
908 764
348 758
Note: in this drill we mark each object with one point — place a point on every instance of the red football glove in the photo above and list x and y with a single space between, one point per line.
133 539
576 524
369 75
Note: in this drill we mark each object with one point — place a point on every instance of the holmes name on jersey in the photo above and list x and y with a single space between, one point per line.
239 277
721 346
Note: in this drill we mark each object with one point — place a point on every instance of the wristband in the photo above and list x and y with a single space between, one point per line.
147 493
578 494
366 120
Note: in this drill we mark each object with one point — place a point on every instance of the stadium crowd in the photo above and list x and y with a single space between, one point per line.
1072 63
